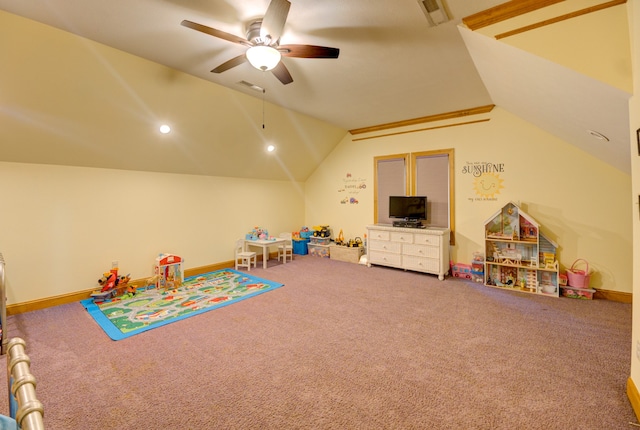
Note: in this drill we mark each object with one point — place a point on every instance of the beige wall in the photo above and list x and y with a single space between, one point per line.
61 227
582 203
60 233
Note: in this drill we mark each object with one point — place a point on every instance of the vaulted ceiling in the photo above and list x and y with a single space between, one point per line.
570 72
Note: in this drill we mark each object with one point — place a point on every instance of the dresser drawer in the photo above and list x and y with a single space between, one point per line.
420 264
385 258
426 239
402 237
378 234
421 250
381 245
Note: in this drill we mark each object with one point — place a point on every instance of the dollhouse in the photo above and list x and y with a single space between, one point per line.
518 255
168 271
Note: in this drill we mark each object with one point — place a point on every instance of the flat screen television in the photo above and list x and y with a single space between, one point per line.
408 207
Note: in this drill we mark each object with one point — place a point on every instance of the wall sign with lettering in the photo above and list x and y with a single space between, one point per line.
487 182
351 187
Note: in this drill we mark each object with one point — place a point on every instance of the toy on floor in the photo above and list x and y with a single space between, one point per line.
108 281
108 284
151 282
112 285
321 231
305 233
131 292
168 271
122 284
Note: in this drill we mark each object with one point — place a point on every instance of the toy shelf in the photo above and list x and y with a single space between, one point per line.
518 256
524 266
507 240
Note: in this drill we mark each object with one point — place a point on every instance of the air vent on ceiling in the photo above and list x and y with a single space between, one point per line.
252 86
435 11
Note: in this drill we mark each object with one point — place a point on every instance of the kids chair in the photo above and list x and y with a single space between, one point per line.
286 249
244 258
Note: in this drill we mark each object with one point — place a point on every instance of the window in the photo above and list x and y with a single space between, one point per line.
428 173
390 179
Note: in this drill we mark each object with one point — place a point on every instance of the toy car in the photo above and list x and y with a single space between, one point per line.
461 270
321 231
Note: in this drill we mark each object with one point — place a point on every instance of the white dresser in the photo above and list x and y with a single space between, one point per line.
419 249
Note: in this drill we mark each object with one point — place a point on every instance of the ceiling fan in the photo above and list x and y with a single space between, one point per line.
263 41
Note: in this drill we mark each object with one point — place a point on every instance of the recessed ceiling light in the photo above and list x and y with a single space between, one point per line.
597 135
271 148
164 129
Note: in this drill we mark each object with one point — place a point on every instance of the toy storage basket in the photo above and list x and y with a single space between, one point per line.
578 278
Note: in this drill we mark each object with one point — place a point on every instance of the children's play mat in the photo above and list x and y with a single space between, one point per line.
151 308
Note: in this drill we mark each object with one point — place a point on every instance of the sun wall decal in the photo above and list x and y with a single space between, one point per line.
488 184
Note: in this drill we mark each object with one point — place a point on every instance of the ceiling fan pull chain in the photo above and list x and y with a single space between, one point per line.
263 92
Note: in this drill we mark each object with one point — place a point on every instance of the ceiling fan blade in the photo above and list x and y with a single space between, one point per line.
308 51
216 33
274 20
281 72
231 63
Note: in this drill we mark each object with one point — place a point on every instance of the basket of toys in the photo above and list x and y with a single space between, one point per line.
305 233
578 278
257 233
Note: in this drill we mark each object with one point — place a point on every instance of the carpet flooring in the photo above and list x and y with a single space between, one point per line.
343 346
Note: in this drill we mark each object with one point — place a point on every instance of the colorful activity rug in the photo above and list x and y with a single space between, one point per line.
122 318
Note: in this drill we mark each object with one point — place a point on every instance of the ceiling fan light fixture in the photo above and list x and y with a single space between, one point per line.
264 51
263 57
